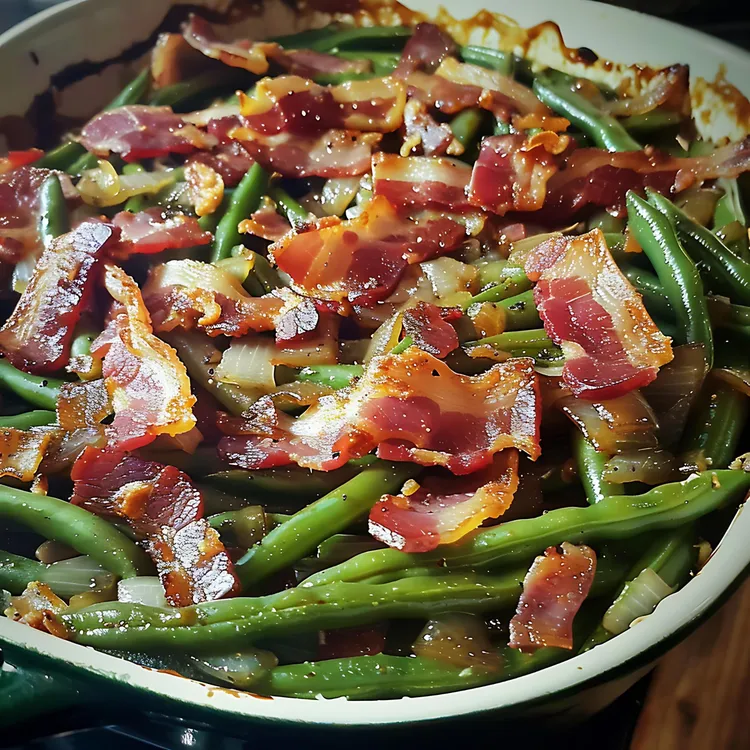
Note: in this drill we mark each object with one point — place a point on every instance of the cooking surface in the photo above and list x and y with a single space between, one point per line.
699 697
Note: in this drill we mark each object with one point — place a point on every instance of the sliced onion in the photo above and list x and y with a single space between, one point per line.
458 639
63 451
187 442
521 249
737 377
247 363
337 194
615 426
300 394
76 575
675 389
386 337
638 599
240 669
24 270
104 187
142 590
699 203
452 281
647 466
51 552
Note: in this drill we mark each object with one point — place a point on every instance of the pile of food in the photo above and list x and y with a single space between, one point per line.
363 363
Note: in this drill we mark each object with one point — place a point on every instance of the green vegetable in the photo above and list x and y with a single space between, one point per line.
503 62
383 63
287 206
37 390
590 464
553 89
53 212
677 273
306 529
620 517
179 93
245 200
727 273
650 122
335 376
85 532
466 126
380 37
28 419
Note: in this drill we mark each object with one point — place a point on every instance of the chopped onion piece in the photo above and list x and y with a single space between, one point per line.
240 669
76 575
142 590
647 466
452 281
104 187
638 599
247 363
337 194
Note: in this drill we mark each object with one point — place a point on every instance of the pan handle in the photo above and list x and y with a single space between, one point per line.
29 692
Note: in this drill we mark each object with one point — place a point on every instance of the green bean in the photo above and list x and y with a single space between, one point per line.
245 200
306 529
335 376
619 517
495 59
534 344
37 390
520 312
85 532
728 273
135 203
553 89
609 224
730 206
181 92
402 345
303 39
648 122
503 287
380 37
242 620
383 63
466 125
502 272
66 154
200 357
676 271
590 464
287 206
244 527
265 278
53 211
336 79
17 572
82 163
648 286
28 419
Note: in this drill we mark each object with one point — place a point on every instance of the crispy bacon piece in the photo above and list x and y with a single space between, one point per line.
38 607
154 230
37 336
267 223
206 187
553 591
309 63
22 451
161 503
140 132
83 404
412 407
596 177
147 494
335 153
190 294
148 384
306 335
428 46
590 309
193 564
512 171
430 329
422 133
444 509
362 259
16 159
298 106
229 160
422 182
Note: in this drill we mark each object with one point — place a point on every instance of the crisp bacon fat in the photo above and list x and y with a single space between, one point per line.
38 334
590 309
153 231
443 509
362 259
411 407
148 384
554 589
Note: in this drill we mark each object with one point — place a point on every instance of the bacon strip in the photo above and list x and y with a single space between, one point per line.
189 294
422 182
139 132
445 509
422 133
428 46
553 591
590 309
298 106
161 503
38 607
512 171
230 161
362 259
38 334
430 329
22 451
411 407
154 230
148 384
83 404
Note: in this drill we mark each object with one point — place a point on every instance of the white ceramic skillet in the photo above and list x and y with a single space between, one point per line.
99 30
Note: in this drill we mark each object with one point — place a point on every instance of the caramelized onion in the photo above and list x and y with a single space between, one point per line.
647 466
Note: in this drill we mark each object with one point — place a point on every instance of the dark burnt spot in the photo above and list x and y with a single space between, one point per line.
587 55
34 57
